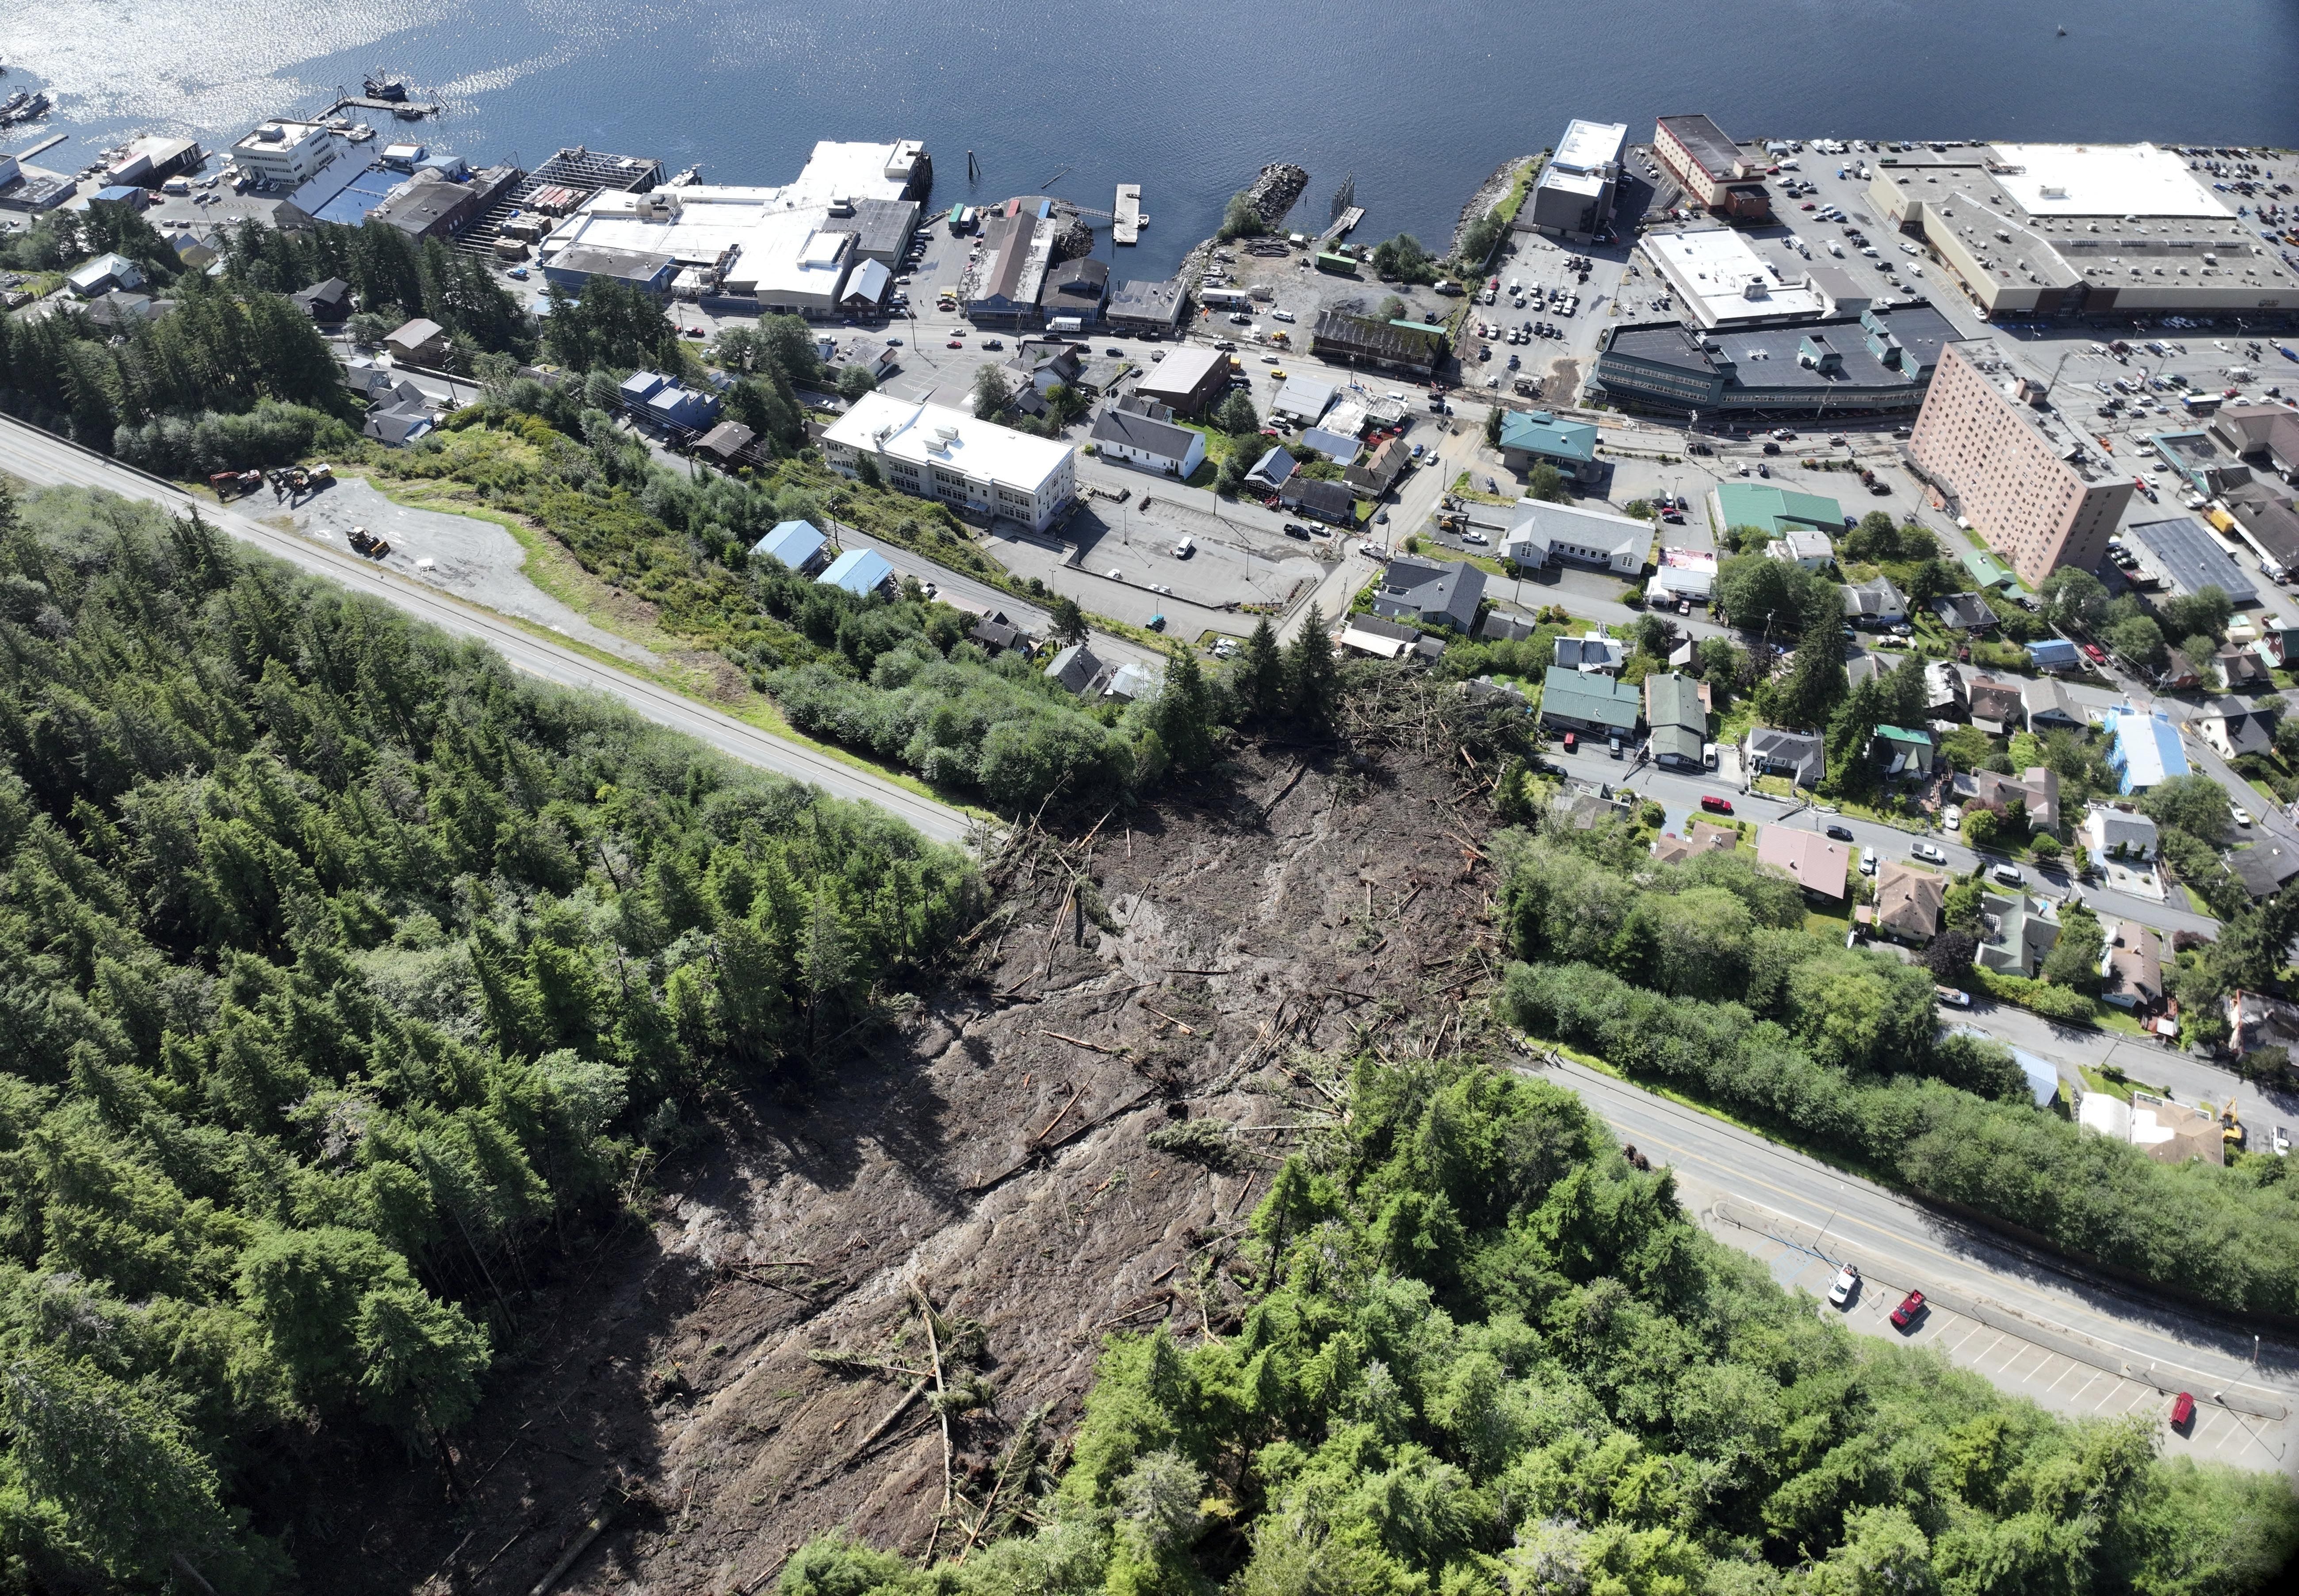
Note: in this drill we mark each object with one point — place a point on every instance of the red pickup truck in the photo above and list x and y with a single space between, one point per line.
1906 1313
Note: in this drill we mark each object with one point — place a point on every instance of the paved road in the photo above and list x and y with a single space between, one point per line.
38 458
1904 1242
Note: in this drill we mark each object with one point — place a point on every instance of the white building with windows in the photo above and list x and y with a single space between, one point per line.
933 452
287 154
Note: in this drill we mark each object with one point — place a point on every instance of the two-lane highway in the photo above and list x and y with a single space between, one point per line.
38 458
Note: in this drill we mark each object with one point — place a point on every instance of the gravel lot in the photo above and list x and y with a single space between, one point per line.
471 558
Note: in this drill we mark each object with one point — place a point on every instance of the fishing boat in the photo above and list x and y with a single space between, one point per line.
385 88
408 114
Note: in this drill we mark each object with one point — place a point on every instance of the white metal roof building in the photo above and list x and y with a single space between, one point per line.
936 452
1721 277
1575 190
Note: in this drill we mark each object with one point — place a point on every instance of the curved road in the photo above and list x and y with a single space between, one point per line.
37 457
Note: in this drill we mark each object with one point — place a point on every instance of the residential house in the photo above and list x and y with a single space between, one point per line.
2241 670
1996 705
2036 794
122 309
1684 575
2049 704
2055 654
996 635
1494 694
1905 753
1701 837
2143 749
1076 668
1799 755
2180 674
1594 652
1594 706
1584 810
1152 441
1341 448
2019 933
1866 667
397 415
1271 471
1807 858
1383 639
2169 1133
1807 548
1130 681
1944 689
1874 602
2264 868
861 572
2255 1021
1963 612
329 302
2235 728
1678 719
93 278
1379 470
2131 966
1430 594
419 342
1531 438
724 443
1909 902
1540 533
796 544
2119 832
1320 498
1987 571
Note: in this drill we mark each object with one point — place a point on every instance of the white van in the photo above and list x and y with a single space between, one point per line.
2009 874
1185 548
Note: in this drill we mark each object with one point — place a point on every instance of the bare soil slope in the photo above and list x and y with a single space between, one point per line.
989 1151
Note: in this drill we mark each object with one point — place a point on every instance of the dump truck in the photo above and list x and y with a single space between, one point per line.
231 484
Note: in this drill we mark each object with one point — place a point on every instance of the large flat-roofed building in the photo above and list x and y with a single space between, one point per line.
1018 249
2024 480
1574 194
1710 167
285 154
2089 229
433 206
2180 552
1145 305
933 452
1880 362
882 228
1722 278
1385 346
1187 380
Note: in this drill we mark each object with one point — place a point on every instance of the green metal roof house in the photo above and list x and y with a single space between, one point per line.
1531 436
1987 570
1572 701
1775 509
1905 753
1678 720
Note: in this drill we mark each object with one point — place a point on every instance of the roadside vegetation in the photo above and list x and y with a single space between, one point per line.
1702 977
1489 1356
347 970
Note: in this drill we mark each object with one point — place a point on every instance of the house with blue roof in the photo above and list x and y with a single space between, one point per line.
1537 437
796 543
2144 749
861 572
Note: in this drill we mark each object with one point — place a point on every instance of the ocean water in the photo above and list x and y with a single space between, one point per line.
1187 97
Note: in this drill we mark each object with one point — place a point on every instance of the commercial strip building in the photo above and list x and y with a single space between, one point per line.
2181 553
1880 362
1721 278
1710 167
786 250
1145 307
933 452
2081 230
1541 532
1574 195
2029 484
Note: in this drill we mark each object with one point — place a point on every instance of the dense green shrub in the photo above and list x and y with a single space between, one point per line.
336 958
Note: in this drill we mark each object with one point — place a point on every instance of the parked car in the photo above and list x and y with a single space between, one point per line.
1867 861
1714 805
1928 853
1840 833
1951 994
2183 1411
1294 529
1910 1307
2008 875
1479 538
2239 814
1951 818
1571 741
1840 1289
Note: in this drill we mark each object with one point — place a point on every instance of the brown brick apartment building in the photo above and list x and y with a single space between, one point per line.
2008 465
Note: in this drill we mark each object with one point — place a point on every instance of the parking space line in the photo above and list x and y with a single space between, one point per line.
2077 1395
2103 1402
1983 1356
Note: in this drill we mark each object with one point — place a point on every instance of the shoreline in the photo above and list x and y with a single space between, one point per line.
1487 194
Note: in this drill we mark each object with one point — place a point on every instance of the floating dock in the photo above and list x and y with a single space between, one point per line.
404 110
1126 229
49 142
1342 227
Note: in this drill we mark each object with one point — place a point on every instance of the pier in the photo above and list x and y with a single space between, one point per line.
1343 226
1126 229
405 111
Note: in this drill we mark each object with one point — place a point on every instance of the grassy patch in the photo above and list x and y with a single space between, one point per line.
1514 201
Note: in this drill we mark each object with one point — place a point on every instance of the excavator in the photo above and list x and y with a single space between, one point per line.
366 542
2232 1123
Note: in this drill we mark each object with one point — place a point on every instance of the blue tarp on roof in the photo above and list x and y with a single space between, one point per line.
859 571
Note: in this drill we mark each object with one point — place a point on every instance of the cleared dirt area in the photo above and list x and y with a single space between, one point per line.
990 1150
